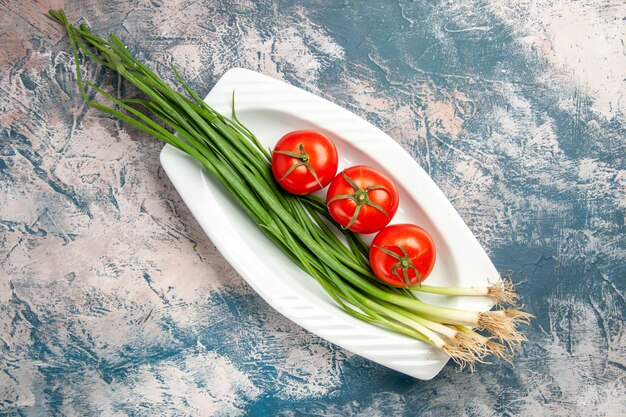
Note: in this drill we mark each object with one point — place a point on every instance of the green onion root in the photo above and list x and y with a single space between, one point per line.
502 292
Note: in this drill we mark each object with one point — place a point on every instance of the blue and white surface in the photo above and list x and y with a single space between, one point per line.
113 302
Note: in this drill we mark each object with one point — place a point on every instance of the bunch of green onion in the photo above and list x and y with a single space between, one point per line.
300 226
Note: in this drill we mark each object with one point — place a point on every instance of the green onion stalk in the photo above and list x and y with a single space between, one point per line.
300 226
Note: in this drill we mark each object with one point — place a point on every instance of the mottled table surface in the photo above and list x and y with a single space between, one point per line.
114 302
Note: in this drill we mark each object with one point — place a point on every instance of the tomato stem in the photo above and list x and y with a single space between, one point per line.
360 197
404 263
303 159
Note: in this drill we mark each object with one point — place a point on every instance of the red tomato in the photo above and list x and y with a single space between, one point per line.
362 199
402 255
304 161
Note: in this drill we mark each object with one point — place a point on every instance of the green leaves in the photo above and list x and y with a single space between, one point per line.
235 156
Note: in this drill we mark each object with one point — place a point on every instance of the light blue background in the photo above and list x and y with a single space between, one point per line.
113 300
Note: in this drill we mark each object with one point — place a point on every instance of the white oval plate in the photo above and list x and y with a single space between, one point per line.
271 108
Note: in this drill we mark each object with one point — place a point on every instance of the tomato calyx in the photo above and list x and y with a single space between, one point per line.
360 197
303 159
404 263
